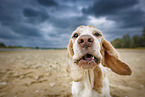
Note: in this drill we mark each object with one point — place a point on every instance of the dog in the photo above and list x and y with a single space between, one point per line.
88 56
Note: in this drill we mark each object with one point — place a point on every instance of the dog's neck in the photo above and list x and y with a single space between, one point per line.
91 83
88 79
86 85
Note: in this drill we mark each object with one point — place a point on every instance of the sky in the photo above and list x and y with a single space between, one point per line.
49 23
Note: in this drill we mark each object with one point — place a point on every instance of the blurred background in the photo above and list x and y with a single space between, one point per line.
49 23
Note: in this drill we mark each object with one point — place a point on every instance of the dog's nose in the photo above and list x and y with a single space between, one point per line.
85 41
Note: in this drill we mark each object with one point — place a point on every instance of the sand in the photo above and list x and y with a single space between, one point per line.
41 73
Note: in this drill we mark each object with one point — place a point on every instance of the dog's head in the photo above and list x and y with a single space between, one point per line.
88 48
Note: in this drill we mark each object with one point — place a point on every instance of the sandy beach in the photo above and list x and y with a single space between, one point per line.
41 73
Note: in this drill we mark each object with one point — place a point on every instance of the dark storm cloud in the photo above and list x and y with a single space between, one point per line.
47 2
35 16
8 16
28 12
109 7
6 34
6 19
27 30
128 13
71 22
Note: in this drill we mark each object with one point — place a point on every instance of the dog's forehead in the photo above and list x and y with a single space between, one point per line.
87 29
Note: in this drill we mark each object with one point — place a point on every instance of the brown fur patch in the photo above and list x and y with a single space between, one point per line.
109 48
117 65
91 26
68 69
103 56
98 79
70 48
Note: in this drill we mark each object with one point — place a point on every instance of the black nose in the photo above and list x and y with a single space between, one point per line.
85 41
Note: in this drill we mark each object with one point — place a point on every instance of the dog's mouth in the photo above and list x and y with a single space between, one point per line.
88 61
89 57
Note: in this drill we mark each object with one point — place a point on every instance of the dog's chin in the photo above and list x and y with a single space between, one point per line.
88 61
87 64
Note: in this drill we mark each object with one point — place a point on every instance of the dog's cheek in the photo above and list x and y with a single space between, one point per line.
77 51
97 48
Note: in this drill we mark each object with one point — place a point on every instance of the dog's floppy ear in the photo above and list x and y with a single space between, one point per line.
70 53
111 59
70 48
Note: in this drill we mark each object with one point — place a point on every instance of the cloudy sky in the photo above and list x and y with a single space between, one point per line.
49 23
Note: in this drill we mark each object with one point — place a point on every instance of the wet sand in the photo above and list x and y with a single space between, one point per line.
41 73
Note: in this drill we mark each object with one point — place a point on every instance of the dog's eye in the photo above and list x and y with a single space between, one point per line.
76 35
97 34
